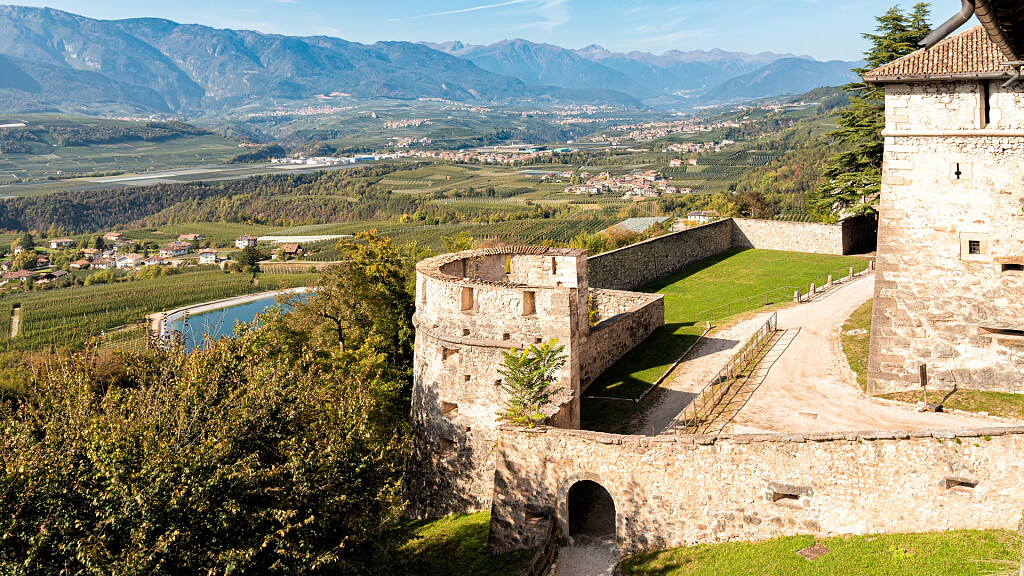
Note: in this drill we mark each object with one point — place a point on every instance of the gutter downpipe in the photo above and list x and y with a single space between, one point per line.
950 26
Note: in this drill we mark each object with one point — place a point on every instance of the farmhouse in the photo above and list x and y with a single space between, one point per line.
190 237
208 256
114 237
950 291
175 248
703 216
246 241
61 243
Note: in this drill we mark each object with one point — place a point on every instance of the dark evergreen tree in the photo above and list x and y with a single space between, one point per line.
853 177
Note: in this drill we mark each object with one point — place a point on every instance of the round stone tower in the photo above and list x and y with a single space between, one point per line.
470 307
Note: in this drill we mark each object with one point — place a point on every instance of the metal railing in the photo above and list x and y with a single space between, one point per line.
783 293
707 400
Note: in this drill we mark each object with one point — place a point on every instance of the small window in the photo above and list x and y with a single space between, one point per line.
449 409
508 264
554 266
960 485
784 496
986 105
974 246
1013 267
529 303
465 331
445 447
467 299
467 378
447 353
506 336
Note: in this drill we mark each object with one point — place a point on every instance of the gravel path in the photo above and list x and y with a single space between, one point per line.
811 388
699 366
595 559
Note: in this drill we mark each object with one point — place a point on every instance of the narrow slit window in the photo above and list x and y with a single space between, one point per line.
960 484
1013 267
508 264
467 299
784 497
529 303
554 266
986 105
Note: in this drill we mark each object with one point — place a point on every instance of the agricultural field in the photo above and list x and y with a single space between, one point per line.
728 284
57 318
45 157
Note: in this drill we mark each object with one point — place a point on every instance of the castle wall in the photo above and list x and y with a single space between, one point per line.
674 491
627 319
633 266
467 314
949 290
789 236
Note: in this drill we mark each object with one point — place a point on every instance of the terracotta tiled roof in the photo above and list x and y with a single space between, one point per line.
969 55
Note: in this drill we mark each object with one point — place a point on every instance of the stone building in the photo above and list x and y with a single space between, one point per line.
472 306
950 287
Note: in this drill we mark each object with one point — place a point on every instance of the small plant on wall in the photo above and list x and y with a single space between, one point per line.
526 377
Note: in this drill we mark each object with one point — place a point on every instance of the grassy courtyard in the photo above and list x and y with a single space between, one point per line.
960 553
457 544
732 277
856 340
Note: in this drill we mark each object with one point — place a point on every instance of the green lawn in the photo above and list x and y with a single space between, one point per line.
457 545
960 553
734 276
856 346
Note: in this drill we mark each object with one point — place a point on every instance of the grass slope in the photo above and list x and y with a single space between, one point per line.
856 339
960 553
457 545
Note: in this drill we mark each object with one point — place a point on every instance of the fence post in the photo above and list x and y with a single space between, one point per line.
766 299
811 291
796 296
830 280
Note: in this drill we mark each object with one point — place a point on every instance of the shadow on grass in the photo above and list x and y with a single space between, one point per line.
457 544
690 270
634 373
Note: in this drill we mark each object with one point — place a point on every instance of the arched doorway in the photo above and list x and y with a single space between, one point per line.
591 511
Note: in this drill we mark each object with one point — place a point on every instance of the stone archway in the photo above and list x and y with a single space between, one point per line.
591 511
589 506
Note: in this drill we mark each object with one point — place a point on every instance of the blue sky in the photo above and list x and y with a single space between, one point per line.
825 29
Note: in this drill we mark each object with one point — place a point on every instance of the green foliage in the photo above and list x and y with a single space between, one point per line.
261 154
86 134
852 177
526 378
458 243
25 260
457 544
249 259
26 242
254 456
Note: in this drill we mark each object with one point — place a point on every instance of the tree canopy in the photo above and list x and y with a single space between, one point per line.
853 177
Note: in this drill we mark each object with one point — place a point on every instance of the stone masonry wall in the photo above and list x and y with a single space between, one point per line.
633 266
467 314
949 290
627 319
674 491
790 236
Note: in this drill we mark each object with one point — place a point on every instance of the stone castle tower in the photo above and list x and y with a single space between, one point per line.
470 307
950 286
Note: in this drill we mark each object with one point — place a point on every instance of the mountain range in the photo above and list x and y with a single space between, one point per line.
51 59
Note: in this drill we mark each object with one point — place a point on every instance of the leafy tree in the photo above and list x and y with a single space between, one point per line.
25 260
852 177
253 456
752 204
25 242
249 259
365 299
526 377
458 243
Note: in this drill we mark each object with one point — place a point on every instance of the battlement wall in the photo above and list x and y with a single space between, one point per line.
682 490
626 320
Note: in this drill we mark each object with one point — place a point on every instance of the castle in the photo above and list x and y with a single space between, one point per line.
950 287
949 234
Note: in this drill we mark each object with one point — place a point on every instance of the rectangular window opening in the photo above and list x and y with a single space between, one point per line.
467 299
529 303
449 409
974 246
467 378
447 353
465 331
445 447
506 336
784 496
554 266
986 105
960 484
508 264
1013 267
1003 332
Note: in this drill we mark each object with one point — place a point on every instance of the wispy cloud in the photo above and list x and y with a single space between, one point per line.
551 14
461 10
